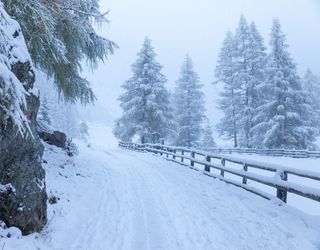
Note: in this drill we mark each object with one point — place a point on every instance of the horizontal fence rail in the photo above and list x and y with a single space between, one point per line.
218 161
267 152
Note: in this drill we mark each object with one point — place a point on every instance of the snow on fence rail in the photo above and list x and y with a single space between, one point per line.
268 152
188 157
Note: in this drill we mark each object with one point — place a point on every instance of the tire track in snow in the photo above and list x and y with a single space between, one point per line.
222 214
132 201
107 222
183 216
143 202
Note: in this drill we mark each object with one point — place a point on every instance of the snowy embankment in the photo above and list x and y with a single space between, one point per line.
117 199
311 165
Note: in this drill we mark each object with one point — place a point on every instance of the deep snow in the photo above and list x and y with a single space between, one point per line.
117 199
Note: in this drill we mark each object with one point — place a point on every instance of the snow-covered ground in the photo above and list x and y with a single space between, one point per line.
307 164
117 199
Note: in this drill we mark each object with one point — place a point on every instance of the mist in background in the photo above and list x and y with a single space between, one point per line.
196 28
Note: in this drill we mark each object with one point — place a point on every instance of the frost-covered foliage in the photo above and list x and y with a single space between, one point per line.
145 103
188 106
12 92
59 35
284 115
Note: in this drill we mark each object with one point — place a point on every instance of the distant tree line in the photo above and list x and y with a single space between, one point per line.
264 101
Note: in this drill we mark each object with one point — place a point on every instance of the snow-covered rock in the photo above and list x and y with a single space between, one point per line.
20 147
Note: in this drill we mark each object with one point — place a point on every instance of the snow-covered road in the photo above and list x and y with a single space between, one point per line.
120 199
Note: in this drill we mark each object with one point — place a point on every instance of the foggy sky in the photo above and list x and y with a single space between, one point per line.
197 27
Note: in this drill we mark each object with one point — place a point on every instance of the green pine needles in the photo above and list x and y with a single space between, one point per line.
59 36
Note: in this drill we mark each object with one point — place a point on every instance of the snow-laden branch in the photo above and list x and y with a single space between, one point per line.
12 92
87 13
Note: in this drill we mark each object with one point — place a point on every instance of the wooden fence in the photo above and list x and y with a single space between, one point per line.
267 152
209 161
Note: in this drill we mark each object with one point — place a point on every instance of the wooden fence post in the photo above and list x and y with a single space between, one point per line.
223 163
282 194
174 152
207 167
245 168
167 149
192 156
182 153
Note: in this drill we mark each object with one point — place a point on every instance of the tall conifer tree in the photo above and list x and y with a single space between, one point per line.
311 87
249 67
207 137
284 115
189 106
230 96
145 103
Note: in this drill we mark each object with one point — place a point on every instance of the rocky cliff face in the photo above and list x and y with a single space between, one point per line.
22 178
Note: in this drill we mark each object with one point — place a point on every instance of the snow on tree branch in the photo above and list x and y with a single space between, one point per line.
12 93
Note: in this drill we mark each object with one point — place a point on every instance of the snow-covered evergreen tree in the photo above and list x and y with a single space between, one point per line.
230 96
145 103
284 116
207 137
44 113
250 64
189 106
60 35
84 131
257 74
242 78
64 116
311 86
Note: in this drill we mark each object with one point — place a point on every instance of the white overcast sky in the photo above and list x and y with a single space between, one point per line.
197 27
